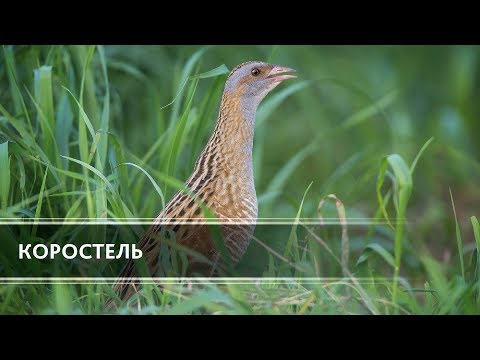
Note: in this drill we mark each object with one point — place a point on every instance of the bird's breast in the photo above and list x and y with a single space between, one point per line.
236 198
236 207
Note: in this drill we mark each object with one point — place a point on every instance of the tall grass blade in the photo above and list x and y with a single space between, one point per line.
102 139
12 76
85 121
95 171
63 301
403 184
292 242
476 233
21 170
371 110
278 182
15 90
266 108
379 250
458 235
82 134
46 114
420 153
342 216
177 136
105 116
4 175
271 103
204 119
63 129
154 183
38 210
219 70
187 70
403 187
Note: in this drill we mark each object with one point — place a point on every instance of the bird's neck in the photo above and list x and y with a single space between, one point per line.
235 125
230 146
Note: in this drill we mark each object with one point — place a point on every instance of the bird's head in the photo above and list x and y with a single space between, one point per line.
253 80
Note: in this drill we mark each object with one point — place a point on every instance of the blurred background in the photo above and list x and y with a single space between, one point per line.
326 132
353 104
331 127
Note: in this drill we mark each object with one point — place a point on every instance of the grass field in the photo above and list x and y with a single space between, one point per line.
389 132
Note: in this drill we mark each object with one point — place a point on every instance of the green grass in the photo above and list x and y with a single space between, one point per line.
385 134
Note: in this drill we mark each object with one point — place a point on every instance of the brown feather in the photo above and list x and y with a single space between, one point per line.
222 179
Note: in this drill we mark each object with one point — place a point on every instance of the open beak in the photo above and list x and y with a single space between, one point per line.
277 71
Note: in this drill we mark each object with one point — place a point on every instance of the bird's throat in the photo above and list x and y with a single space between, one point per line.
235 126
236 121
231 144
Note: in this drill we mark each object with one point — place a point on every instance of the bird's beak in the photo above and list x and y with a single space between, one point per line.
276 72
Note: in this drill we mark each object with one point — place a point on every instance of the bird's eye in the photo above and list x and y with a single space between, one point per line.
255 72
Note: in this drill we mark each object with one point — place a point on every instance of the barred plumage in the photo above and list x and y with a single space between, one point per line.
222 179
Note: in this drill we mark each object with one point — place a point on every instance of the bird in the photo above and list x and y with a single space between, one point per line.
222 181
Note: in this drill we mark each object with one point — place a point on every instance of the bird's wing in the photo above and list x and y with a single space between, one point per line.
194 237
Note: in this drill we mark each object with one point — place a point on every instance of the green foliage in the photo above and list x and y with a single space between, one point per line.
113 131
5 175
